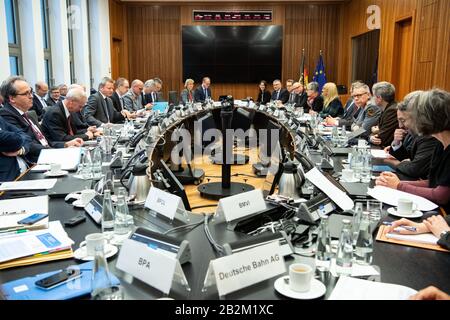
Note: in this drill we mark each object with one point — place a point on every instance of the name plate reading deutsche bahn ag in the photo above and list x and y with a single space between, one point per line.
241 205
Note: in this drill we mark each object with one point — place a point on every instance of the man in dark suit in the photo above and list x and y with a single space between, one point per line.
412 153
203 92
39 102
279 93
150 94
99 108
53 96
122 86
300 97
59 124
384 97
18 101
13 145
315 100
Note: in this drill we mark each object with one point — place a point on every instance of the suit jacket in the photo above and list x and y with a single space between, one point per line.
264 97
148 98
78 119
351 113
55 126
334 109
283 96
367 118
131 102
11 140
317 104
199 94
387 124
50 101
419 150
38 107
95 111
300 100
116 102
184 95
11 115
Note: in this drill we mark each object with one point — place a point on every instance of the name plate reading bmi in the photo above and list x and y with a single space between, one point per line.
204 15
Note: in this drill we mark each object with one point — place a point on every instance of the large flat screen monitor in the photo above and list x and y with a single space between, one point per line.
232 54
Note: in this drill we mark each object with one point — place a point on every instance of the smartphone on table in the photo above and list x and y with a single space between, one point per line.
58 279
35 217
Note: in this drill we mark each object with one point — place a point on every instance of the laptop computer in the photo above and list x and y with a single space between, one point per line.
162 107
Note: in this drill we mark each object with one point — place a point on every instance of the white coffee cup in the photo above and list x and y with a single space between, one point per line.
87 195
347 175
300 276
406 207
92 241
55 168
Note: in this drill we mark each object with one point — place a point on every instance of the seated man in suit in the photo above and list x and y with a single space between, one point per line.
122 86
314 102
18 101
53 96
100 109
58 123
203 92
150 93
39 103
300 95
133 98
13 145
158 85
411 153
384 97
279 94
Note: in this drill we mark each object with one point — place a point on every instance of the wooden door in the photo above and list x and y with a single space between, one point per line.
403 52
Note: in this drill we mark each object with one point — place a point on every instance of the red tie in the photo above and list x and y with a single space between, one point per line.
37 133
190 96
69 125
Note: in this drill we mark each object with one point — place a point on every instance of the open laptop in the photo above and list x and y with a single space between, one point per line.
162 107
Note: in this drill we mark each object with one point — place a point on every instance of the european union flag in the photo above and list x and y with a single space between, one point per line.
319 74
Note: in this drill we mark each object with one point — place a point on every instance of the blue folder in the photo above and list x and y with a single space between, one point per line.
382 168
25 289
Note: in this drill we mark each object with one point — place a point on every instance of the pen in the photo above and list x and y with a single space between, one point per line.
404 227
4 234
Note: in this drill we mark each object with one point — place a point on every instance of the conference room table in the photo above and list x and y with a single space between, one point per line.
403 265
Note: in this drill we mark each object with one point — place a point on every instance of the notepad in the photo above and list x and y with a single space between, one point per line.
381 154
427 238
39 184
68 158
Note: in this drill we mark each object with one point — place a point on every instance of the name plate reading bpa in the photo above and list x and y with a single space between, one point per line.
147 265
163 202
248 267
242 205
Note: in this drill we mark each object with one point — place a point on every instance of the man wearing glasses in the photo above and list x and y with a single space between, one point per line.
411 153
364 113
18 101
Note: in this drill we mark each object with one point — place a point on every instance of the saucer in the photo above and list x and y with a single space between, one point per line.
78 204
80 253
415 214
317 290
56 174
354 180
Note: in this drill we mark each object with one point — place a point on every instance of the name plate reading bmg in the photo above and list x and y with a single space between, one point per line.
227 16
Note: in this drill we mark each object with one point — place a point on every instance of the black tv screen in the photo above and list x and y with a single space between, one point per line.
232 54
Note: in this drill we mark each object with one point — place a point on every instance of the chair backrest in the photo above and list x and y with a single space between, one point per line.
173 97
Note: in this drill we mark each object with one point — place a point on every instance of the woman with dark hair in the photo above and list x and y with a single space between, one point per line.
264 94
431 117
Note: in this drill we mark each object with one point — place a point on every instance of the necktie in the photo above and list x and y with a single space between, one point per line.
190 96
278 95
206 93
69 125
106 109
153 97
121 103
37 133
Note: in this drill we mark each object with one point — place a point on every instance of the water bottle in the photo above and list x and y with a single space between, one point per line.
101 284
343 139
334 136
107 215
323 250
357 163
97 164
367 165
123 222
345 250
364 242
358 210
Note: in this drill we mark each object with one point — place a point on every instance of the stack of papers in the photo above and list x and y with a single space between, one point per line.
427 238
391 197
68 158
14 210
348 288
39 184
379 154
35 246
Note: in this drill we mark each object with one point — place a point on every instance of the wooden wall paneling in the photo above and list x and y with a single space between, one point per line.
119 37
441 77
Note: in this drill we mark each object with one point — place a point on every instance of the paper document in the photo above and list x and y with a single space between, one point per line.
11 209
48 240
68 158
348 288
381 154
39 184
41 168
358 270
427 238
391 197
320 181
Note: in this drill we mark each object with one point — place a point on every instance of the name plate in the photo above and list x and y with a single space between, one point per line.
147 265
248 267
241 205
163 202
